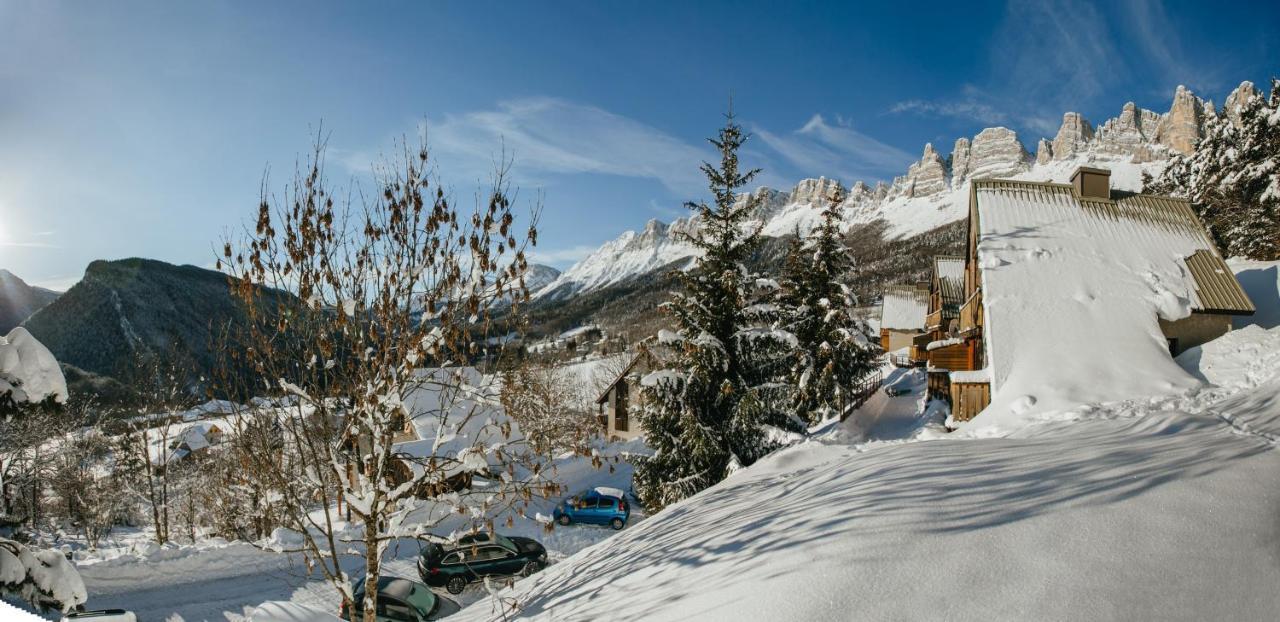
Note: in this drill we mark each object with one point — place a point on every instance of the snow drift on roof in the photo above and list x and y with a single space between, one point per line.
1073 291
904 308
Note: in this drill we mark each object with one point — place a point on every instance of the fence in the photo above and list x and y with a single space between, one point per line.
865 388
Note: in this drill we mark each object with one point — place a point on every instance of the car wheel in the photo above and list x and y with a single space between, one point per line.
456 585
617 524
565 520
530 568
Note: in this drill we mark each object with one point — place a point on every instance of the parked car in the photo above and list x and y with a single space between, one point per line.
400 600
477 556
101 615
598 506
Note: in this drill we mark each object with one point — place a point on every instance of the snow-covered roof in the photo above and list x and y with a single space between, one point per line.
904 308
455 412
949 271
1073 289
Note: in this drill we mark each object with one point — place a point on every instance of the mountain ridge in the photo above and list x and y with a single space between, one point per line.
19 300
934 190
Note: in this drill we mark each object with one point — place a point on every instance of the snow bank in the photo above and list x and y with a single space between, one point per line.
1241 358
1168 515
28 371
1261 281
39 575
284 611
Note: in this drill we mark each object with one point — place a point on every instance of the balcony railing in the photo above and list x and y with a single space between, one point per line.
933 321
971 313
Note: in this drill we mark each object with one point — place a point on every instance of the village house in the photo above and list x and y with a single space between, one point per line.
622 399
902 319
1057 274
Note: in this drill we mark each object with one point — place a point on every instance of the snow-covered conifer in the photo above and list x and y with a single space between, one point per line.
706 414
833 352
1233 177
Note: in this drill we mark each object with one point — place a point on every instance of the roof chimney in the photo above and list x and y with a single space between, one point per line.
1093 183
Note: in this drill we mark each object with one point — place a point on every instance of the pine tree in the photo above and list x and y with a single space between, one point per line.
833 353
1233 178
705 415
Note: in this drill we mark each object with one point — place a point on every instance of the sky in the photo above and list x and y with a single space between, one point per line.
134 129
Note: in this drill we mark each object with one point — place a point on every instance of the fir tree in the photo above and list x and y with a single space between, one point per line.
705 415
833 353
1233 178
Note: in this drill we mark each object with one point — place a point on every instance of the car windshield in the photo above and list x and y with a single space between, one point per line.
506 543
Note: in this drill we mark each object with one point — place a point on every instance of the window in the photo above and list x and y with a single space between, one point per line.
451 558
606 504
489 553
620 422
395 609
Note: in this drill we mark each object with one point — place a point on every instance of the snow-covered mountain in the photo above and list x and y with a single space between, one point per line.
539 276
933 192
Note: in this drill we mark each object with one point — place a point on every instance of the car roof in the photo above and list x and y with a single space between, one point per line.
400 589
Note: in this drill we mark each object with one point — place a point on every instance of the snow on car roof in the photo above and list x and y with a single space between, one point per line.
609 492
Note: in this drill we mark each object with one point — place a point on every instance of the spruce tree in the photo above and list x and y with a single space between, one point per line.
705 414
1233 178
833 353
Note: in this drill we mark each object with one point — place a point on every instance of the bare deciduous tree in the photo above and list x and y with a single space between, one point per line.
383 287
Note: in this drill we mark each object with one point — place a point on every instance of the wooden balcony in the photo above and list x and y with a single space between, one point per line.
971 314
933 321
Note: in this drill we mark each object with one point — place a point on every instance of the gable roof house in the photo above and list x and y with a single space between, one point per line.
902 316
1076 294
622 399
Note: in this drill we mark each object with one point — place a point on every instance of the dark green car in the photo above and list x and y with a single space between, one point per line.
400 600
478 556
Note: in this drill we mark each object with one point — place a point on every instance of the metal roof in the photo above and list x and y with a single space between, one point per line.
1163 224
949 271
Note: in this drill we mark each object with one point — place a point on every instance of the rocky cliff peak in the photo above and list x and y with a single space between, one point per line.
924 178
1182 127
1073 136
995 153
1238 98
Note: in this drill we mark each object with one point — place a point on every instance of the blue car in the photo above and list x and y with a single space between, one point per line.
598 506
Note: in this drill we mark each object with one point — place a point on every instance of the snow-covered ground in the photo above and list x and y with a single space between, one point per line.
1153 508
217 580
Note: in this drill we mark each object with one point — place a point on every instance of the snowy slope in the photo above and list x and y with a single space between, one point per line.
1158 508
931 194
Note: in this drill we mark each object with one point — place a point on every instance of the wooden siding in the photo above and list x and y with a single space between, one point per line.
958 357
968 399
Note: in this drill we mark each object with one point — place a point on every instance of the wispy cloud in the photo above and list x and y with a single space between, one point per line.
545 135
1156 34
837 149
968 110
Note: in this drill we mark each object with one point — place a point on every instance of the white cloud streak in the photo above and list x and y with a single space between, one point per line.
544 135
822 148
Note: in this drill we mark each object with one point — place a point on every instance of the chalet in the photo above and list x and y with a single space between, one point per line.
902 317
451 413
1075 293
622 398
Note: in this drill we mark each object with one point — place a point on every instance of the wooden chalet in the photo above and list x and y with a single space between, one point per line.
620 401
1015 229
902 322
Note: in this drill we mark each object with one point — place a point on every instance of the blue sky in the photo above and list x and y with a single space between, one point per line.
143 129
